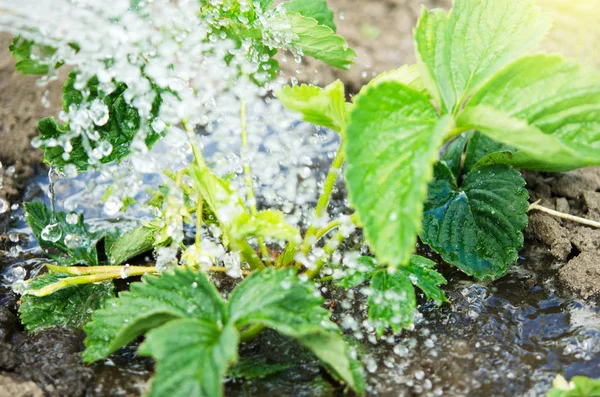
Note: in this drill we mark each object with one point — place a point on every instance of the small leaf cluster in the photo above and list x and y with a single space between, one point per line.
478 94
208 330
67 302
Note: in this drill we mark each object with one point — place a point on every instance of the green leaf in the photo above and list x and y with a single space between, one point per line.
461 50
75 244
149 304
320 42
392 301
221 198
407 75
130 244
477 226
321 106
22 50
192 357
579 386
480 147
393 140
353 277
316 9
123 124
546 107
538 151
267 223
421 273
256 367
452 155
70 307
471 150
278 299
265 4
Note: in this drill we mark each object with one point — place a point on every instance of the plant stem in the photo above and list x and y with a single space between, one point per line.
326 229
251 332
87 270
94 274
323 202
536 207
248 178
250 255
199 221
329 249
70 281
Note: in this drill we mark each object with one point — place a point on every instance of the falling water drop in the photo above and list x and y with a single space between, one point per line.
53 175
52 232
73 241
98 112
4 206
125 270
72 218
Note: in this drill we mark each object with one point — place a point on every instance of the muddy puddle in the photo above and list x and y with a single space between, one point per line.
510 337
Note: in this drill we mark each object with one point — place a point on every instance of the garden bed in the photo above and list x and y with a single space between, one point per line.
509 337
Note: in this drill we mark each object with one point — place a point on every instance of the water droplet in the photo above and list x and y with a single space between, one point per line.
112 206
125 270
73 241
19 273
19 287
4 206
286 284
52 232
105 148
158 125
98 112
72 218
194 285
304 172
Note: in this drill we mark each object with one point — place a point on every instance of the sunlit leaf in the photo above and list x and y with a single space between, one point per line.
461 50
546 107
321 106
393 140
316 9
320 42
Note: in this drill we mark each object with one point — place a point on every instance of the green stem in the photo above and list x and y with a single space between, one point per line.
94 274
87 270
323 202
326 229
248 179
199 221
78 280
329 249
250 255
251 332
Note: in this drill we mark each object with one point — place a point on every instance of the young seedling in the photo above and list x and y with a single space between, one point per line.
431 150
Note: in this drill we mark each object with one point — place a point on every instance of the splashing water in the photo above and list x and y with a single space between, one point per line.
163 46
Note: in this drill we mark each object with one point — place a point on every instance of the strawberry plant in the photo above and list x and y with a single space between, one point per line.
431 150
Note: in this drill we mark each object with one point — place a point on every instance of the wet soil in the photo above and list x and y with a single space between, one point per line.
379 31
506 338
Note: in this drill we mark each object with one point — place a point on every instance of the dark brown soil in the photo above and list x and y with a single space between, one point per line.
576 193
379 31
